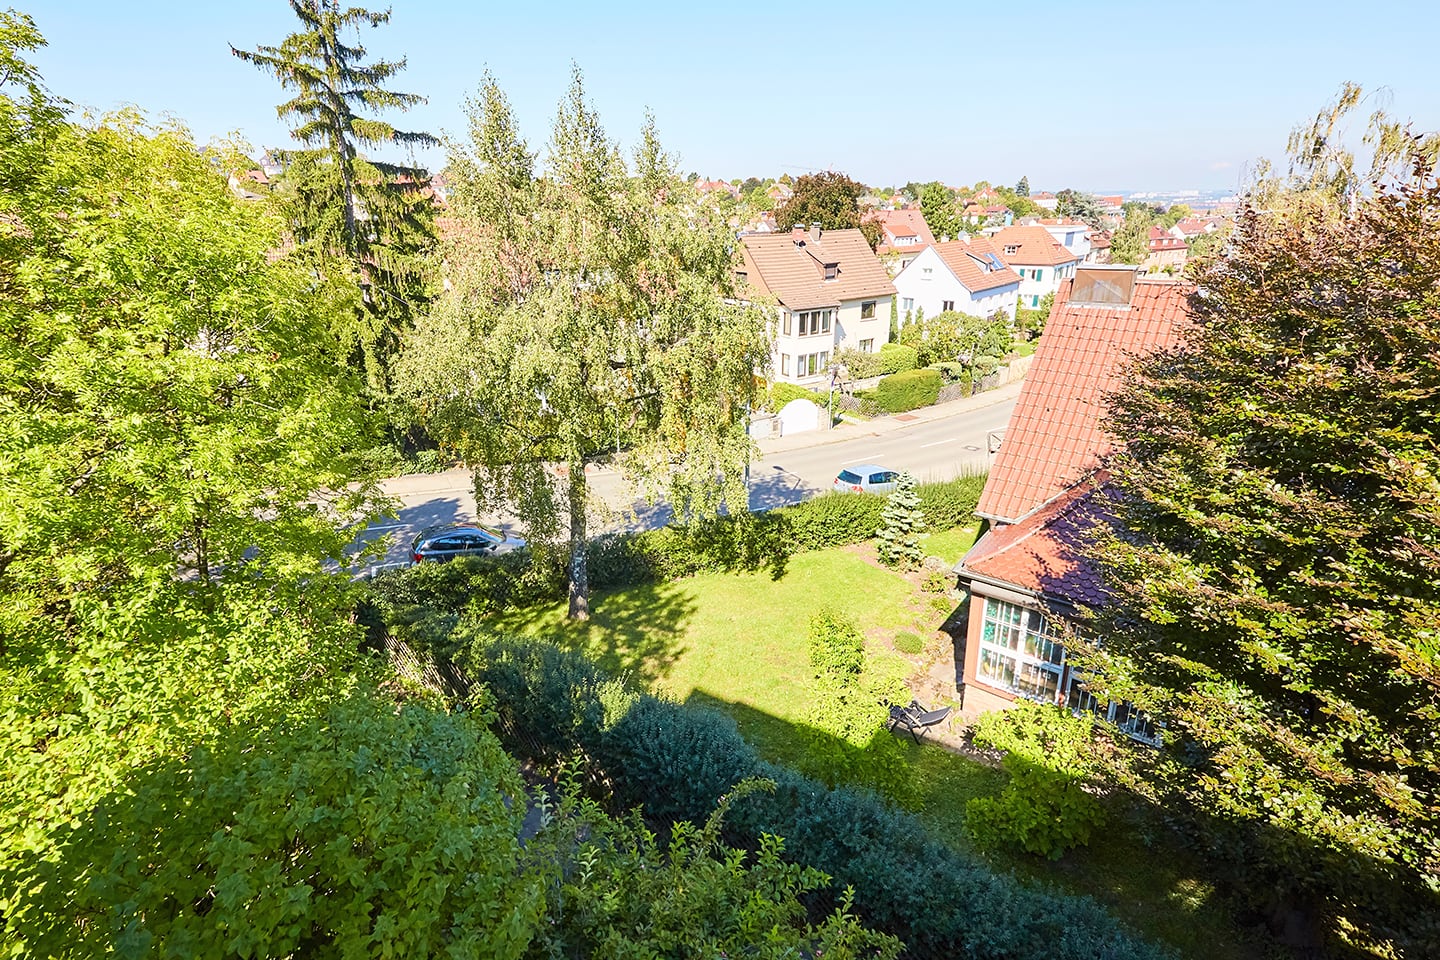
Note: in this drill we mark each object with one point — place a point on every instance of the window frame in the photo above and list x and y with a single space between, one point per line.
867 309
1042 659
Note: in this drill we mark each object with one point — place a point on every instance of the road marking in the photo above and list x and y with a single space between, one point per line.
851 463
936 443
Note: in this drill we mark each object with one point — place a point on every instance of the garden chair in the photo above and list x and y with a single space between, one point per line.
916 719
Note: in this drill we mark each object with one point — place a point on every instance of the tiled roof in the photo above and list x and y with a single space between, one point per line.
904 223
1193 227
1054 437
1162 239
972 276
1043 553
1036 247
791 268
1099 239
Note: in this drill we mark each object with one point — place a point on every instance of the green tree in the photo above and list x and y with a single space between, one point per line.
375 213
830 199
1079 206
937 203
593 302
900 525
894 320
1131 243
1174 214
1022 189
1276 592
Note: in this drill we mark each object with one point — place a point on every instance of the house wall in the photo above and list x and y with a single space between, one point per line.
980 697
847 331
930 291
1074 239
1033 289
852 329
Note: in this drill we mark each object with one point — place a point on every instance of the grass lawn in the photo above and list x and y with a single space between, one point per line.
739 642
1022 348
950 545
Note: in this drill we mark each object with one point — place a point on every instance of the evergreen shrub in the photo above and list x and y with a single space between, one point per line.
908 390
897 357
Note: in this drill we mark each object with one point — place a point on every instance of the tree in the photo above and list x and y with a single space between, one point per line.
1176 213
937 204
1131 243
951 337
1276 586
594 303
830 199
1018 205
375 213
900 523
1022 189
1079 206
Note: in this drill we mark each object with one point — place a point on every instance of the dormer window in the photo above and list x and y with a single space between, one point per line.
1011 249
832 270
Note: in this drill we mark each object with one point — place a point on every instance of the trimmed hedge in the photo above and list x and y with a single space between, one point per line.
908 390
677 761
783 393
897 357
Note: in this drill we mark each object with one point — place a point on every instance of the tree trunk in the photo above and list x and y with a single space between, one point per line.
579 573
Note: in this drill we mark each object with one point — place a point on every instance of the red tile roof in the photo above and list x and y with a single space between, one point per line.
1162 239
1035 247
973 276
1043 553
1054 438
791 267
903 223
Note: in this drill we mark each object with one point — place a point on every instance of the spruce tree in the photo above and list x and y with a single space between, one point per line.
377 214
900 522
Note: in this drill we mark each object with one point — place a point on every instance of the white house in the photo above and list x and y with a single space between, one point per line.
1073 235
832 294
965 276
903 234
1041 262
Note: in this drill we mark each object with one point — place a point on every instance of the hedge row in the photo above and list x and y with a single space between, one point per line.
406 599
908 390
678 761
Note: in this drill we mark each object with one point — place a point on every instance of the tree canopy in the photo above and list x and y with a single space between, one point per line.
375 212
828 198
1275 579
591 307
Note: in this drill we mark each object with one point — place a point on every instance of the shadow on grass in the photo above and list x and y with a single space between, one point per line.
638 631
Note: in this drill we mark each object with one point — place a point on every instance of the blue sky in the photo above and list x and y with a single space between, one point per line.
1105 96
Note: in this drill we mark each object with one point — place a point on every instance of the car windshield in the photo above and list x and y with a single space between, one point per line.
847 477
491 532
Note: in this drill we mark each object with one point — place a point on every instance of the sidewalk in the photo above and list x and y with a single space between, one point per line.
890 423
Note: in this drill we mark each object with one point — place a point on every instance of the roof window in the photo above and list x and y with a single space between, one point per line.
1110 286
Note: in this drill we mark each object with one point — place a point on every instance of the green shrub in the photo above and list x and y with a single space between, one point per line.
677 760
897 357
900 523
837 649
950 503
831 520
984 366
952 372
783 393
909 643
861 365
1044 808
936 581
908 390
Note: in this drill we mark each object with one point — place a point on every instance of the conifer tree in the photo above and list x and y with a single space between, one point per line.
900 522
339 200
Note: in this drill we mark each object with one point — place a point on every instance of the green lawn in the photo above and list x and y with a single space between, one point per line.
950 545
739 642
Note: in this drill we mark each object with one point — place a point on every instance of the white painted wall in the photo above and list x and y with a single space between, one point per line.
931 289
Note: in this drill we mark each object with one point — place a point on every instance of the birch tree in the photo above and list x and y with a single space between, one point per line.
594 301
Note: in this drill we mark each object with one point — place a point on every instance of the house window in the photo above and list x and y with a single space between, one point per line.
831 269
927 271
867 346
947 305
1135 724
825 321
787 323
867 309
1018 652
785 364
908 303
1012 248
1034 299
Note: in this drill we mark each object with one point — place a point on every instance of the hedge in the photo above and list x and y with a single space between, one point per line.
908 390
897 357
783 393
677 761
409 600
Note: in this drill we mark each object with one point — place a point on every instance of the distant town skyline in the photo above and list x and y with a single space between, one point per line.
1118 93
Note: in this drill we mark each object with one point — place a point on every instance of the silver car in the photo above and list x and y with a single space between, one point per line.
452 540
866 478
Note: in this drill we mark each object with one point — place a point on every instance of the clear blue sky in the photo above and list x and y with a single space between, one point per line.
1121 95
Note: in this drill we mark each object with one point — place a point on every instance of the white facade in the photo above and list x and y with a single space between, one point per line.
806 341
1035 282
1074 237
929 284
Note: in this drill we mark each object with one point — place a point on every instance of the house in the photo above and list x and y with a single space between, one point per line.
1192 227
1099 246
1045 200
1037 258
779 193
966 276
903 234
249 184
1165 250
707 187
1071 234
831 292
1045 494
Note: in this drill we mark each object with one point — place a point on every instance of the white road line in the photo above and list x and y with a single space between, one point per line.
936 443
851 463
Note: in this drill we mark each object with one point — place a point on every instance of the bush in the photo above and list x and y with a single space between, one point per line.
950 503
896 358
860 365
678 760
984 366
952 372
783 393
831 520
1044 808
908 390
909 643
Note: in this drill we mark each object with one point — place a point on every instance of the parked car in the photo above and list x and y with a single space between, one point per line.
865 478
447 541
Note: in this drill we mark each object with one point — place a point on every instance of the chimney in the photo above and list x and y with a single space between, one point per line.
797 234
815 232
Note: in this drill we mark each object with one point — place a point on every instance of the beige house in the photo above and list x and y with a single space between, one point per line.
832 294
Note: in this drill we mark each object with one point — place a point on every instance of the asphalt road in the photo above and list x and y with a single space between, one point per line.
938 445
